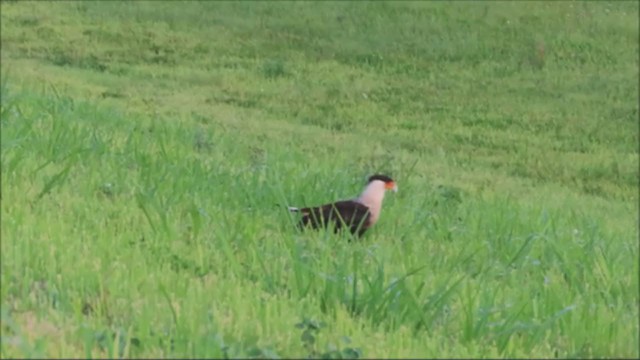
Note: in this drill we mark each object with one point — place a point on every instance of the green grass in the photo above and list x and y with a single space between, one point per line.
145 145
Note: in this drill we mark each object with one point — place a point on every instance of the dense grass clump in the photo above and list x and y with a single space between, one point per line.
148 148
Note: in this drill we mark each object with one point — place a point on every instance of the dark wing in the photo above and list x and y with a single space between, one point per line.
350 214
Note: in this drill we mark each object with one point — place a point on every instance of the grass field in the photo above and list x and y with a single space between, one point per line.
145 147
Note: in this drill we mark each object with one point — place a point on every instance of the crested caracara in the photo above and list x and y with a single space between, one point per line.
357 214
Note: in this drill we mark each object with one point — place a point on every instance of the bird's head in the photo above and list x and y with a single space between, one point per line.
389 183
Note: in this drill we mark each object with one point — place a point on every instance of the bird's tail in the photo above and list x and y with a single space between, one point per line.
290 208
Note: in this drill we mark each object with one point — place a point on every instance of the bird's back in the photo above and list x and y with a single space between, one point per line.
347 213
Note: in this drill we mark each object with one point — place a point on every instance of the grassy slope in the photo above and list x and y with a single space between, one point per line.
141 204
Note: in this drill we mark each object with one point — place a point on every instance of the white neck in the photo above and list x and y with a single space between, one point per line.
372 197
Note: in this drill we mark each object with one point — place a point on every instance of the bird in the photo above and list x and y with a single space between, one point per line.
357 214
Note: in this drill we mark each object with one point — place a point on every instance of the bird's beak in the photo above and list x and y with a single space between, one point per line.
392 186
